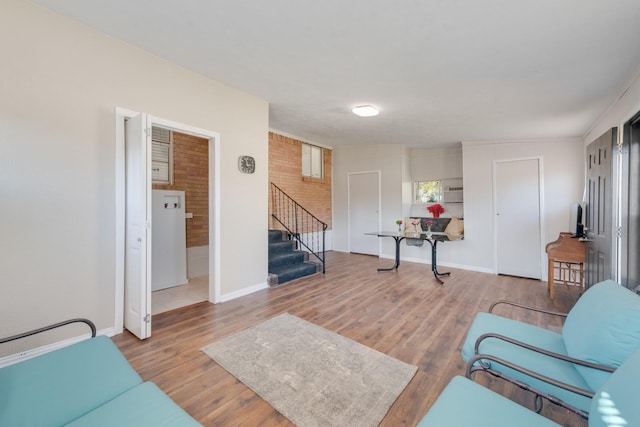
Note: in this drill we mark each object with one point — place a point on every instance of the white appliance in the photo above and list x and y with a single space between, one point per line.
168 240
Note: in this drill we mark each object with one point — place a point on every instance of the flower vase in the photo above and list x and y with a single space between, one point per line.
428 231
399 229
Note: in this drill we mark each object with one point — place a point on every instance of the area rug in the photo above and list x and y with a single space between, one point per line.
313 376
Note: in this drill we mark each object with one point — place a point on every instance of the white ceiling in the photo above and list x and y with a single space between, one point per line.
440 71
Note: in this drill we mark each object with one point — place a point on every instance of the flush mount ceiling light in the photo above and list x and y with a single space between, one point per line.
365 111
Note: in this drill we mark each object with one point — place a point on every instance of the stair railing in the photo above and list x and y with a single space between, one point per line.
301 224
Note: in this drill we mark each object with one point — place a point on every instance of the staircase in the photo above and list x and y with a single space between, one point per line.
286 263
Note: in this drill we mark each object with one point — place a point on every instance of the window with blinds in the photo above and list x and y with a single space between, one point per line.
312 162
161 155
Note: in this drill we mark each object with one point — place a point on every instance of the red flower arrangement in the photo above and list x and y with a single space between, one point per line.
436 209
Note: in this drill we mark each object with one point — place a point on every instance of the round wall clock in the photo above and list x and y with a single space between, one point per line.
246 164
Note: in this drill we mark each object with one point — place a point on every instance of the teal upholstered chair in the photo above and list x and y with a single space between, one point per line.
56 387
88 383
600 332
465 403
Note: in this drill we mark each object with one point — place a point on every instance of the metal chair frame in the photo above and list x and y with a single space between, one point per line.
88 322
482 362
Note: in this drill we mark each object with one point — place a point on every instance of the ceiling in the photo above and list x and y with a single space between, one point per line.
439 71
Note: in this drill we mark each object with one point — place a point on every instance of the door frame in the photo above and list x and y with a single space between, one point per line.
541 210
349 175
121 114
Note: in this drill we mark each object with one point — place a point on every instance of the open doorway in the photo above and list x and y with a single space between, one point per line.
136 282
180 219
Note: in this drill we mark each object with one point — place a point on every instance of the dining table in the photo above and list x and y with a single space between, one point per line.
432 238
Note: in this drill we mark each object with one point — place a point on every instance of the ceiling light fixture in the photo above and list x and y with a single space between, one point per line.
365 111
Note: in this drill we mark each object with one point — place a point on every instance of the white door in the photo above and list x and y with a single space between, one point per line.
517 218
364 212
137 269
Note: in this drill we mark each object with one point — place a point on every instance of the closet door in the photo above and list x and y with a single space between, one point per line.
517 217
364 212
137 281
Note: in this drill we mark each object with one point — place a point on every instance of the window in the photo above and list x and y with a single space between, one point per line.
428 191
312 161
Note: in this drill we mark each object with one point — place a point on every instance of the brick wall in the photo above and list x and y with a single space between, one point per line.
191 175
285 170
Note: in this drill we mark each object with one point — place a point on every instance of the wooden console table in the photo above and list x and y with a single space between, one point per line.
566 257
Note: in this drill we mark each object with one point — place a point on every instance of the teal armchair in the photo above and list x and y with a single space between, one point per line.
466 403
600 332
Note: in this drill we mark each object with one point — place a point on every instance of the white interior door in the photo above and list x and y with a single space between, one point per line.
364 212
517 218
137 269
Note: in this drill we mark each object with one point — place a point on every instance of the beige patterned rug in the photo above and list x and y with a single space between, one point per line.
313 376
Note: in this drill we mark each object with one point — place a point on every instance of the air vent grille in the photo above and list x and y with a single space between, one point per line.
161 158
160 134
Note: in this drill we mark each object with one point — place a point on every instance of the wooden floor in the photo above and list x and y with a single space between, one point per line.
405 314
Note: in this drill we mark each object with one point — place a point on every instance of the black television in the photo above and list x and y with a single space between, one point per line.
575 220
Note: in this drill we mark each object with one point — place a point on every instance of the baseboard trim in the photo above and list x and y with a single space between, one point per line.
443 264
242 292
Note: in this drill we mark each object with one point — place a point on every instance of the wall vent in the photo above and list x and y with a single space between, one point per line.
160 134
161 155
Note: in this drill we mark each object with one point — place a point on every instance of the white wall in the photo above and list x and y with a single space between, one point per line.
61 82
436 163
563 177
398 165
407 180
563 180
388 159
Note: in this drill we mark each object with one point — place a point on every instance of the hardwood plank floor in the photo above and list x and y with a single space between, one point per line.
405 314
